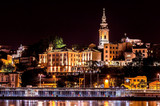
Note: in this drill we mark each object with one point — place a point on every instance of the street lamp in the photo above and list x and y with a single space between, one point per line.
40 75
106 83
158 76
108 77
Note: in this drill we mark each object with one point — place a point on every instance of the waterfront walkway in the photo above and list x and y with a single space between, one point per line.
76 93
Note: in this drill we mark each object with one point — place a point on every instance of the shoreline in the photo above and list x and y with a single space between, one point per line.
82 98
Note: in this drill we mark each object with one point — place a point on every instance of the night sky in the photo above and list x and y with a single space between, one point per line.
78 22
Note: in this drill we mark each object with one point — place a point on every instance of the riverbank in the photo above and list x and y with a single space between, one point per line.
82 98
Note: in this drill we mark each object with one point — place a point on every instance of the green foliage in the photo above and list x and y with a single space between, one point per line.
42 45
7 68
58 42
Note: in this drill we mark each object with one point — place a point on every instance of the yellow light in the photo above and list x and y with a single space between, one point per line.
54 76
106 81
108 76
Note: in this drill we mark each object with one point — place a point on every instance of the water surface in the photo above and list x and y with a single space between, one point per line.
77 103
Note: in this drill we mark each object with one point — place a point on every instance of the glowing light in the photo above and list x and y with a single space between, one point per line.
106 81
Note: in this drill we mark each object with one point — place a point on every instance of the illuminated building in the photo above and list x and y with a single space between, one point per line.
132 41
103 32
139 82
8 76
67 60
154 85
115 51
17 56
8 79
19 51
140 49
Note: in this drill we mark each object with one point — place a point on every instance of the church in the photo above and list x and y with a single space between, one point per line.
120 53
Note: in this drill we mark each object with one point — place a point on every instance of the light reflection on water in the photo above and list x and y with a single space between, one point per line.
76 103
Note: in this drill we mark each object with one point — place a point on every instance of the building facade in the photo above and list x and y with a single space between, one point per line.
139 82
9 79
115 51
67 60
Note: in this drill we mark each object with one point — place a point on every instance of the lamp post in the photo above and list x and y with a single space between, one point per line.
108 77
159 79
40 76
158 76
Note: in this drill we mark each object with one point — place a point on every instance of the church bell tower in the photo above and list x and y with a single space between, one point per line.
103 32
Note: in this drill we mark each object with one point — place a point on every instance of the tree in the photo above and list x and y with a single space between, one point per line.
92 66
58 42
8 68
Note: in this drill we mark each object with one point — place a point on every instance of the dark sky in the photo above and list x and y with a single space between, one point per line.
78 22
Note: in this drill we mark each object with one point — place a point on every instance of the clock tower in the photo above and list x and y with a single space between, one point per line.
103 32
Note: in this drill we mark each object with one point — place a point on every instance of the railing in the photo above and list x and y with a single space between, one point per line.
59 92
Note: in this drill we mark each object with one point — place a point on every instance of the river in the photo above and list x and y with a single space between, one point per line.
77 103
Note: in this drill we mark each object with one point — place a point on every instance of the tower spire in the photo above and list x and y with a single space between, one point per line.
104 16
103 32
104 24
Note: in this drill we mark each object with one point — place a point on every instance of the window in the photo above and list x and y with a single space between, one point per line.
113 52
60 54
49 55
13 78
113 47
110 51
106 55
60 59
53 54
106 46
57 59
105 37
110 47
134 80
2 78
143 51
106 51
64 54
53 59
57 55
143 54
116 47
116 52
